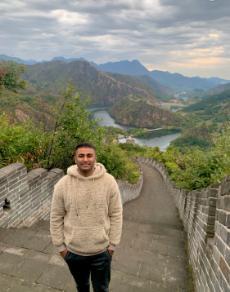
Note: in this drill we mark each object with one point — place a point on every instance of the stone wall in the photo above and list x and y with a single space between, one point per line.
206 219
27 195
130 191
25 198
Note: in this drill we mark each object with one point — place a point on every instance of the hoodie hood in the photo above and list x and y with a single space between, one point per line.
99 171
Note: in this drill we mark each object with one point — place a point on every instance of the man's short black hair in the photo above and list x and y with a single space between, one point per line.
85 145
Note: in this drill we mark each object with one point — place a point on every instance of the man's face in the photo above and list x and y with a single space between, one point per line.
85 159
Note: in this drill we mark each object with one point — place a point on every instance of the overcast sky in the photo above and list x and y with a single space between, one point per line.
191 37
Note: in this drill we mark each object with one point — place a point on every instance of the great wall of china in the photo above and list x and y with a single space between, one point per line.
25 199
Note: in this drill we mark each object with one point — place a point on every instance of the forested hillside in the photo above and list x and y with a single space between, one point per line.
202 119
215 107
141 114
153 87
34 143
101 88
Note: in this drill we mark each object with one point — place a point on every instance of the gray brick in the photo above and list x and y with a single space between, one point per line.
220 245
222 217
225 187
212 192
211 220
227 220
225 269
225 234
224 284
225 203
212 211
217 286
227 254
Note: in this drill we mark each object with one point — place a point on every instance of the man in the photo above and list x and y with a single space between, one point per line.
86 220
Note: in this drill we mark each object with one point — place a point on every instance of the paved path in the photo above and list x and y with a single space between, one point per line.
150 257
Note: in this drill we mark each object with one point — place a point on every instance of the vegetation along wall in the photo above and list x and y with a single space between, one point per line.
206 219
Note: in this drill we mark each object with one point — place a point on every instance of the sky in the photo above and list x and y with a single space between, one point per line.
191 37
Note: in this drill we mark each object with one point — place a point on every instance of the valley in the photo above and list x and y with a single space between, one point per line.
138 100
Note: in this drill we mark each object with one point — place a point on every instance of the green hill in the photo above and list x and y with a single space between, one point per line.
46 81
102 89
204 118
138 113
153 87
214 108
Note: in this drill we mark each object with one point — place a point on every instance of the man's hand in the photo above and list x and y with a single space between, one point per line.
110 251
63 253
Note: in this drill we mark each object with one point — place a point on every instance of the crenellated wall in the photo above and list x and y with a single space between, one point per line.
206 219
28 195
130 191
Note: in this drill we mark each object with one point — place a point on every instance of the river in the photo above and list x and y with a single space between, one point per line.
104 119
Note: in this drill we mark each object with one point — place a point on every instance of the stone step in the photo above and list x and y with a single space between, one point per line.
125 282
35 238
34 269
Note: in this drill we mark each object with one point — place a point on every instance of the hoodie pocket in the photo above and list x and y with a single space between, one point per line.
89 239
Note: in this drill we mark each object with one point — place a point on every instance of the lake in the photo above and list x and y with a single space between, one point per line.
106 120
162 142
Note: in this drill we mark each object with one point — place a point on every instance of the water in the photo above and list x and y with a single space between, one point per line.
162 142
106 120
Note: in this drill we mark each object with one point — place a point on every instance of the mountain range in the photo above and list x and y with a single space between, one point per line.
131 99
17 60
103 89
47 79
174 81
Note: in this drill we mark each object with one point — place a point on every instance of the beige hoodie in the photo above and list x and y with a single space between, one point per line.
86 212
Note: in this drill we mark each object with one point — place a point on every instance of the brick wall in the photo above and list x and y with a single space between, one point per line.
30 194
130 191
206 218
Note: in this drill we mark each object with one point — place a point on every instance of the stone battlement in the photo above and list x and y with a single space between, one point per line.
25 198
206 218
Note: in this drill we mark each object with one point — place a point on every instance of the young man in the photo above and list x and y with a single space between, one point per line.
86 220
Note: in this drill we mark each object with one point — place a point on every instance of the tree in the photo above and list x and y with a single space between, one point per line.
73 125
22 142
10 76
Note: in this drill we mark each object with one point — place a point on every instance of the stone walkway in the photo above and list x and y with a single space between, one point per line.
151 255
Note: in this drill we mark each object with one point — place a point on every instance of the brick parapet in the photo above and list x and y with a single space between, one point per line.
206 218
130 191
30 194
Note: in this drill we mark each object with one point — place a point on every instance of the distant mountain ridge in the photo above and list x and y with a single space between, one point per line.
133 68
147 83
102 88
132 100
175 81
47 81
179 81
17 60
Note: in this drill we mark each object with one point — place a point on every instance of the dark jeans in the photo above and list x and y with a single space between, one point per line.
98 266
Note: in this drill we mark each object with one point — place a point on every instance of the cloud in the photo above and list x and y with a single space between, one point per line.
68 17
191 36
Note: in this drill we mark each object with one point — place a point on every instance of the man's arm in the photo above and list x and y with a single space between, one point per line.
115 214
57 219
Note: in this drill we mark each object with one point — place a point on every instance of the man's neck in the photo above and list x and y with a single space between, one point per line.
86 173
